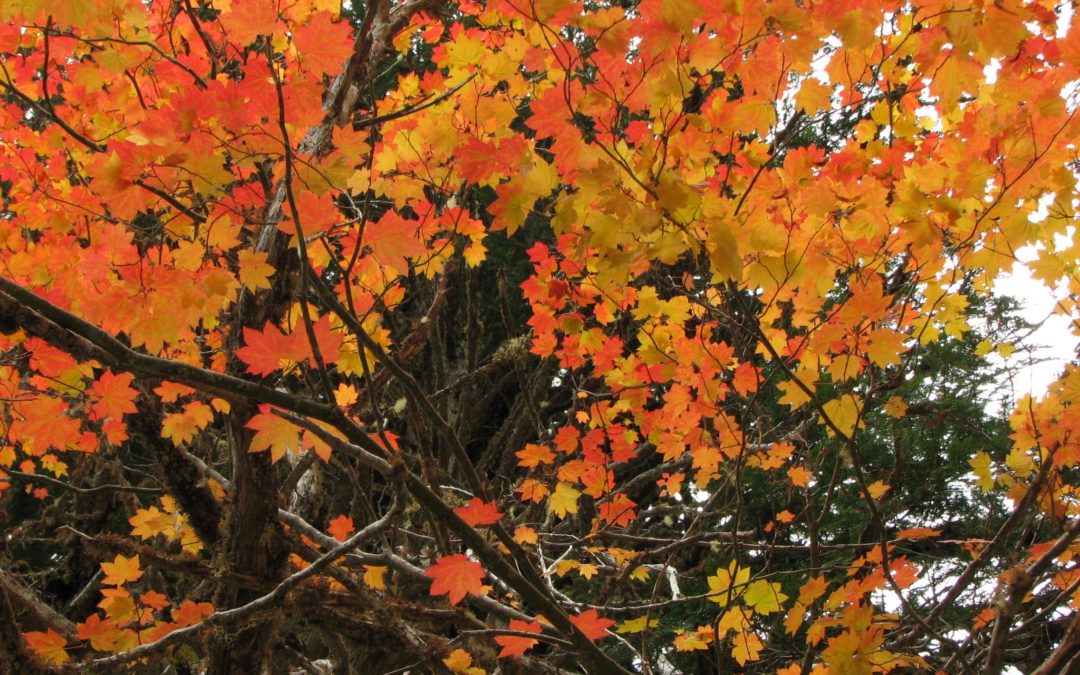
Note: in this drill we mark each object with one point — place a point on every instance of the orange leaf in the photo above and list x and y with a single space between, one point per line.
592 625
101 633
535 455
917 533
112 396
48 646
190 612
455 575
513 646
746 647
478 512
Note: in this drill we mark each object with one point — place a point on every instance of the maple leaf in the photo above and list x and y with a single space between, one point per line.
264 351
478 512
564 500
341 527
727 581
150 522
101 633
812 590
799 476
154 600
273 433
181 427
49 646
525 535
981 466
393 240
190 613
457 576
745 647
514 646
121 570
460 661
118 605
535 455
255 272
764 596
375 577
917 533
112 396
632 626
877 489
532 490
895 407
591 624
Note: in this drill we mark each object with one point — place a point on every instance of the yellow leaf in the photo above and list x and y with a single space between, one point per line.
474 254
640 573
843 412
631 626
980 464
764 596
794 396
459 661
181 427
563 500
375 577
721 582
696 641
564 566
733 619
877 489
895 407
1020 462
150 522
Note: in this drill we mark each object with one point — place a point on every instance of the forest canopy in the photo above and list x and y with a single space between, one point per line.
535 336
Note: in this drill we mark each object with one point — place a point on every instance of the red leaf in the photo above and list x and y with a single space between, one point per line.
478 512
455 575
264 351
513 646
590 623
341 527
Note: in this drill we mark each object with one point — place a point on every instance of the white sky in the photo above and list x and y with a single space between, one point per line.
1053 343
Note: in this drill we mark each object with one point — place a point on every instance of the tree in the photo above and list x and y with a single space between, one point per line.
536 336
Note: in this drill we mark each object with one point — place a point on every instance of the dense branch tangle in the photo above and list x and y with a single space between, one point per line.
535 336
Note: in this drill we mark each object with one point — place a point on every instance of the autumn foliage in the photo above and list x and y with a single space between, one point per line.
533 335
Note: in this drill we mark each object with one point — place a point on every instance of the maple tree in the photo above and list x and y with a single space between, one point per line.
533 335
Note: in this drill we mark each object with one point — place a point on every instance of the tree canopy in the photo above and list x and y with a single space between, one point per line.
534 336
